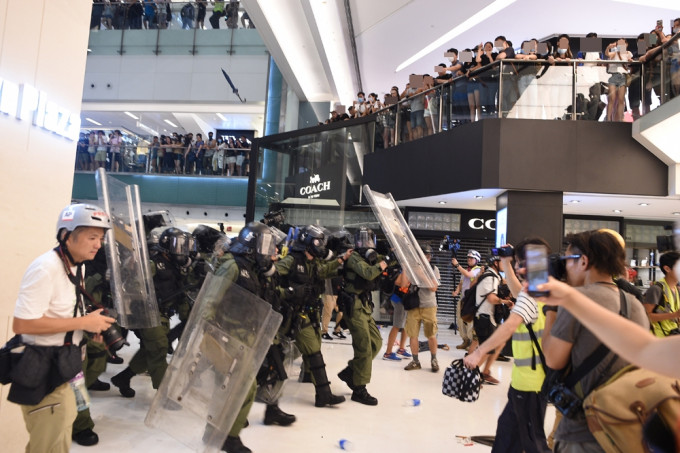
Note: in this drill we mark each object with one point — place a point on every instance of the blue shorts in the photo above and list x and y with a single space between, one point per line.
417 118
618 80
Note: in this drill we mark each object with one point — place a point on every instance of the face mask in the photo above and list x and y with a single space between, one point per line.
451 59
360 99
562 51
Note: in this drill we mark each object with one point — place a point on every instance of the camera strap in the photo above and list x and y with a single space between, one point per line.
77 281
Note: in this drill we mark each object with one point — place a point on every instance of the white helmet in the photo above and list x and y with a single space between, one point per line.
82 215
474 254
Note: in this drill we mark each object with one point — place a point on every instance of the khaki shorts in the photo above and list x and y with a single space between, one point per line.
428 317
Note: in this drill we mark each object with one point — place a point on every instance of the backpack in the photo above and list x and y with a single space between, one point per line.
187 11
469 306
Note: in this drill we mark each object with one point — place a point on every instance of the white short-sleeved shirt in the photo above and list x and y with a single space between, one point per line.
47 291
488 285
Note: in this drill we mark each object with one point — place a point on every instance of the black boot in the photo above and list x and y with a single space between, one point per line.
234 445
305 377
86 438
323 397
273 415
347 376
122 381
362 396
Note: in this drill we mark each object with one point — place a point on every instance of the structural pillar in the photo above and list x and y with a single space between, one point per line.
529 214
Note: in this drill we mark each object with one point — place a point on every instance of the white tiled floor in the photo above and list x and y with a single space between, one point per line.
432 427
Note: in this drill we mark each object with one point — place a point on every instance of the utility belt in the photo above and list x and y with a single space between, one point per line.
36 371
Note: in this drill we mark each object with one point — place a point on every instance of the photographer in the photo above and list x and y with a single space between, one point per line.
520 426
468 276
50 314
591 260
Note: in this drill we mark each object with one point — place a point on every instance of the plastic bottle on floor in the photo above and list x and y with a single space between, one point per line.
412 402
346 445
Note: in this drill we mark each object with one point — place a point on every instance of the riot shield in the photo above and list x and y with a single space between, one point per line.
226 339
400 237
127 255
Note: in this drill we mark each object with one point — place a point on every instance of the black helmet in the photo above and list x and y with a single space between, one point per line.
180 245
340 241
364 238
206 237
257 241
492 259
313 240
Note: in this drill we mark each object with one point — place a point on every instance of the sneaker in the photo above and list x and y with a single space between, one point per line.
403 353
502 358
413 365
325 336
393 356
339 334
435 365
464 345
490 379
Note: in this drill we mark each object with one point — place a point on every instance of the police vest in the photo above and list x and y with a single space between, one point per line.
355 283
167 281
248 276
670 304
527 370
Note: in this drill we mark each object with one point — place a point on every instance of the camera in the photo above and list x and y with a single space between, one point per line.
449 243
503 251
557 268
565 400
113 337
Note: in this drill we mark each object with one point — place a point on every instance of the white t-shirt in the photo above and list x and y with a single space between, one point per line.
488 285
619 68
47 291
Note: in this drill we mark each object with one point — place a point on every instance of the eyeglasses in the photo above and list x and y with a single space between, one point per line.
571 257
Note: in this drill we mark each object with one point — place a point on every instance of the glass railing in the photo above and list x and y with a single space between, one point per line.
172 28
168 160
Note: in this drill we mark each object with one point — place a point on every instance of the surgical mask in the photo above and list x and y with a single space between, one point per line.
451 59
561 51
360 99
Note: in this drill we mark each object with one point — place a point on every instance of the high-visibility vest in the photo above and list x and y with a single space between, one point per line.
527 370
671 303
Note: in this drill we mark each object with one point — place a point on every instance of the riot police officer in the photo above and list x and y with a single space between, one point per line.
302 273
249 264
170 258
361 273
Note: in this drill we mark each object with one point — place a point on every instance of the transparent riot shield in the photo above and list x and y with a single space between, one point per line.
127 255
226 339
400 237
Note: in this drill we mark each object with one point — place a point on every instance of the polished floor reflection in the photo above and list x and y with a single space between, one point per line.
438 424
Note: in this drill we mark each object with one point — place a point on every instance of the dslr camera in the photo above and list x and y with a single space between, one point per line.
113 337
565 400
503 251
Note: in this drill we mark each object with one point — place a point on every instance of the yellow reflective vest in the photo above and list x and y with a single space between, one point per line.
527 370
670 303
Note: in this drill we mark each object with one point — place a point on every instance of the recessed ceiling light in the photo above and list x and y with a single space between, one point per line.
643 204
170 123
93 121
479 196
131 115
617 210
575 201
442 202
676 213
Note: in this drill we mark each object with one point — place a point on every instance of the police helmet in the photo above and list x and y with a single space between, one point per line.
206 237
474 254
340 241
255 240
364 238
313 239
179 244
81 215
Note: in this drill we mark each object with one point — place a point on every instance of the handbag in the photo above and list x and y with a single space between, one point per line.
461 382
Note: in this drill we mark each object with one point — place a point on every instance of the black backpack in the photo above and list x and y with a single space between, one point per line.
468 306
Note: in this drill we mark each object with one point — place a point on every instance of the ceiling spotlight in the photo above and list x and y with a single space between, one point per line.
676 213
643 204
479 196
617 210
442 202
575 201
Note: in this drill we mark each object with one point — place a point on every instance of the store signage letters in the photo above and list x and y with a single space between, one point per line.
26 103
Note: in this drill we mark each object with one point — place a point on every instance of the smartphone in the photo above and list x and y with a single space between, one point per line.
537 268
659 24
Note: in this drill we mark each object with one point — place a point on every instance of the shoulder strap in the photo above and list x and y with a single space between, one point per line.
484 275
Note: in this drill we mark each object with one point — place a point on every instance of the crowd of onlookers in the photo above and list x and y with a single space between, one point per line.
162 14
471 88
170 154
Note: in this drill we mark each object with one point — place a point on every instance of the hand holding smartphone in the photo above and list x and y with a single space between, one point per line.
537 269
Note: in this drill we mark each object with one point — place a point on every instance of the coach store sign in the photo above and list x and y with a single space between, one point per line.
26 103
325 185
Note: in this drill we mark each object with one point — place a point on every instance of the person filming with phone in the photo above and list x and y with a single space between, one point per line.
592 259
520 426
